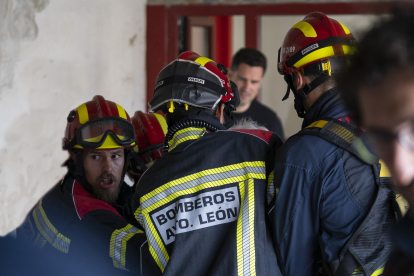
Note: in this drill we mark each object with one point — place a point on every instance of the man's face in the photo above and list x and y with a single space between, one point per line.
390 109
248 80
103 170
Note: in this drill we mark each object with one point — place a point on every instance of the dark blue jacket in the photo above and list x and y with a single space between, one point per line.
323 195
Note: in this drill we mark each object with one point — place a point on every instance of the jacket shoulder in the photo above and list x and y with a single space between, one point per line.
265 136
85 202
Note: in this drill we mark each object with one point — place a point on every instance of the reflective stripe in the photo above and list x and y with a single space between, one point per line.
190 133
83 113
270 187
191 184
202 60
342 132
315 55
39 242
246 255
48 231
318 124
118 245
121 111
345 28
360 271
384 170
306 28
348 50
162 122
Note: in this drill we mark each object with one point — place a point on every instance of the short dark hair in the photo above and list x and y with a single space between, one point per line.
387 48
251 57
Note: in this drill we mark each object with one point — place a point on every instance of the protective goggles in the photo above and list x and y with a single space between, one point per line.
104 133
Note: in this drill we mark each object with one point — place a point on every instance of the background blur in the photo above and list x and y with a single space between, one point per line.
57 54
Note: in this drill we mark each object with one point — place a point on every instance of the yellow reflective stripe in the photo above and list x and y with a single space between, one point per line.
384 170
402 203
318 124
190 133
240 265
306 28
348 50
118 244
252 253
342 132
162 122
39 242
202 60
83 113
378 272
315 55
59 242
121 111
246 253
345 28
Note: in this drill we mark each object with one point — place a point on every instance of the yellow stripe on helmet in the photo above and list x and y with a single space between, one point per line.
202 60
348 50
83 113
306 28
315 55
121 111
162 123
345 28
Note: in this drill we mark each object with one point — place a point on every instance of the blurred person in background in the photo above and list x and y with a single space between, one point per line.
379 90
329 203
85 221
203 203
247 71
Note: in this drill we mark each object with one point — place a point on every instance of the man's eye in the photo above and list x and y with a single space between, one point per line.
94 157
115 156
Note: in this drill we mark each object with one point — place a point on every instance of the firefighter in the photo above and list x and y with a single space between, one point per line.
203 204
328 205
150 130
378 88
86 220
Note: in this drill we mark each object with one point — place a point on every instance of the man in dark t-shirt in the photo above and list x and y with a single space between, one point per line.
247 71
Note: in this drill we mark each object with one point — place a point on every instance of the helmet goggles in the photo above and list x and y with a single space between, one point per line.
104 133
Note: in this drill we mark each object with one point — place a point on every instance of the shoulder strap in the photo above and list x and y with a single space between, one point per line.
344 135
336 132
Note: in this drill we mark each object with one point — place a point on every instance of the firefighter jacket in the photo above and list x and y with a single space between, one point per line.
324 193
203 203
84 233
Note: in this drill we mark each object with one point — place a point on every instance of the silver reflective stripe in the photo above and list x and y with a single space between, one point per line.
201 180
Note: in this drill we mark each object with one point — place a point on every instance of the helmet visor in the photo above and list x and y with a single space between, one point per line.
107 132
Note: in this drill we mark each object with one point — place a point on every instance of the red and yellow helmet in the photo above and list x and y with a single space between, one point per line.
150 130
195 81
99 124
314 39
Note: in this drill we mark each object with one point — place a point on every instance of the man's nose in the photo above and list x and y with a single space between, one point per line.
107 165
402 163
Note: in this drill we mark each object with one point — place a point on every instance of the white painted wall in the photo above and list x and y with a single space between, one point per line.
55 55
273 31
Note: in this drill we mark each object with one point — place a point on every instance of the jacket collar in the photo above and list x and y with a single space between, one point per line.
329 105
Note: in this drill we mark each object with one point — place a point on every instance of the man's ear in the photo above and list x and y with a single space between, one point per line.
72 156
220 113
229 74
299 79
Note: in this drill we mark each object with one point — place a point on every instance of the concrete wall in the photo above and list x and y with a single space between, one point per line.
55 55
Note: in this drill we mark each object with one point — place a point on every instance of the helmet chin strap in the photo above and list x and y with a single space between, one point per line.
301 94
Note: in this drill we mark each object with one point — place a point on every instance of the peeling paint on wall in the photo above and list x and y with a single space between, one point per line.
17 23
50 63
